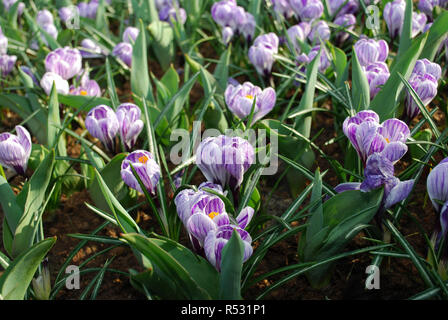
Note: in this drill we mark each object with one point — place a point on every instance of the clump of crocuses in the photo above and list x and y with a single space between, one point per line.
7 62
145 166
261 53
233 19
307 10
423 80
242 98
224 160
15 150
208 224
104 123
368 136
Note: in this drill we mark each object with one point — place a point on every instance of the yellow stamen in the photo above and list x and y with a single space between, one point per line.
387 140
143 159
213 214
249 96
83 92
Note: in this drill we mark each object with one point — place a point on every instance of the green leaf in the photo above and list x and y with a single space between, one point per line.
222 69
360 85
11 209
15 280
162 42
231 266
84 102
437 34
406 33
316 219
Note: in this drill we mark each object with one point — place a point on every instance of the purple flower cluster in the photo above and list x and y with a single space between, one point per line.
394 15
7 62
208 224
423 80
170 9
233 19
241 98
15 150
45 20
104 124
372 55
261 53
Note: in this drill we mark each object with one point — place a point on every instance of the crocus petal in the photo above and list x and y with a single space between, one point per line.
394 151
399 193
199 225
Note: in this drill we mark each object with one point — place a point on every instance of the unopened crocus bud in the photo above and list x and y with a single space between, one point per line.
227 34
128 115
42 284
90 49
223 11
224 159
168 13
369 51
427 6
394 15
65 62
240 100
130 34
425 85
247 29
51 30
15 150
67 13
7 4
7 63
346 21
423 66
123 51
341 7
261 53
44 17
3 43
319 32
283 8
147 170
307 10
102 123
28 71
217 239
324 61
418 23
296 34
377 74
46 82
88 9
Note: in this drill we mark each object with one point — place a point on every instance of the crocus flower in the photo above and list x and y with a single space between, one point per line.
87 87
379 172
296 34
130 34
44 17
427 6
283 8
427 27
418 23
341 7
123 51
247 29
7 4
424 66
222 12
240 100
30 73
368 136
307 10
224 159
217 239
3 43
102 123
324 61
15 150
394 15
437 187
369 51
46 82
261 53
128 115
347 21
146 167
89 49
227 35
88 9
67 13
65 62
377 74
168 13
319 32
7 63
425 85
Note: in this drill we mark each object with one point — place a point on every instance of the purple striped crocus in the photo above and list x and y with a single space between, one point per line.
427 6
425 85
319 32
217 239
379 172
7 63
296 34
324 61
15 150
283 8
223 12
424 66
261 53
65 62
241 98
44 17
368 136
377 74
369 51
307 10
102 123
346 21
123 51
3 43
130 34
437 186
89 49
128 115
47 80
394 15
146 167
168 13
418 23
341 7
224 159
